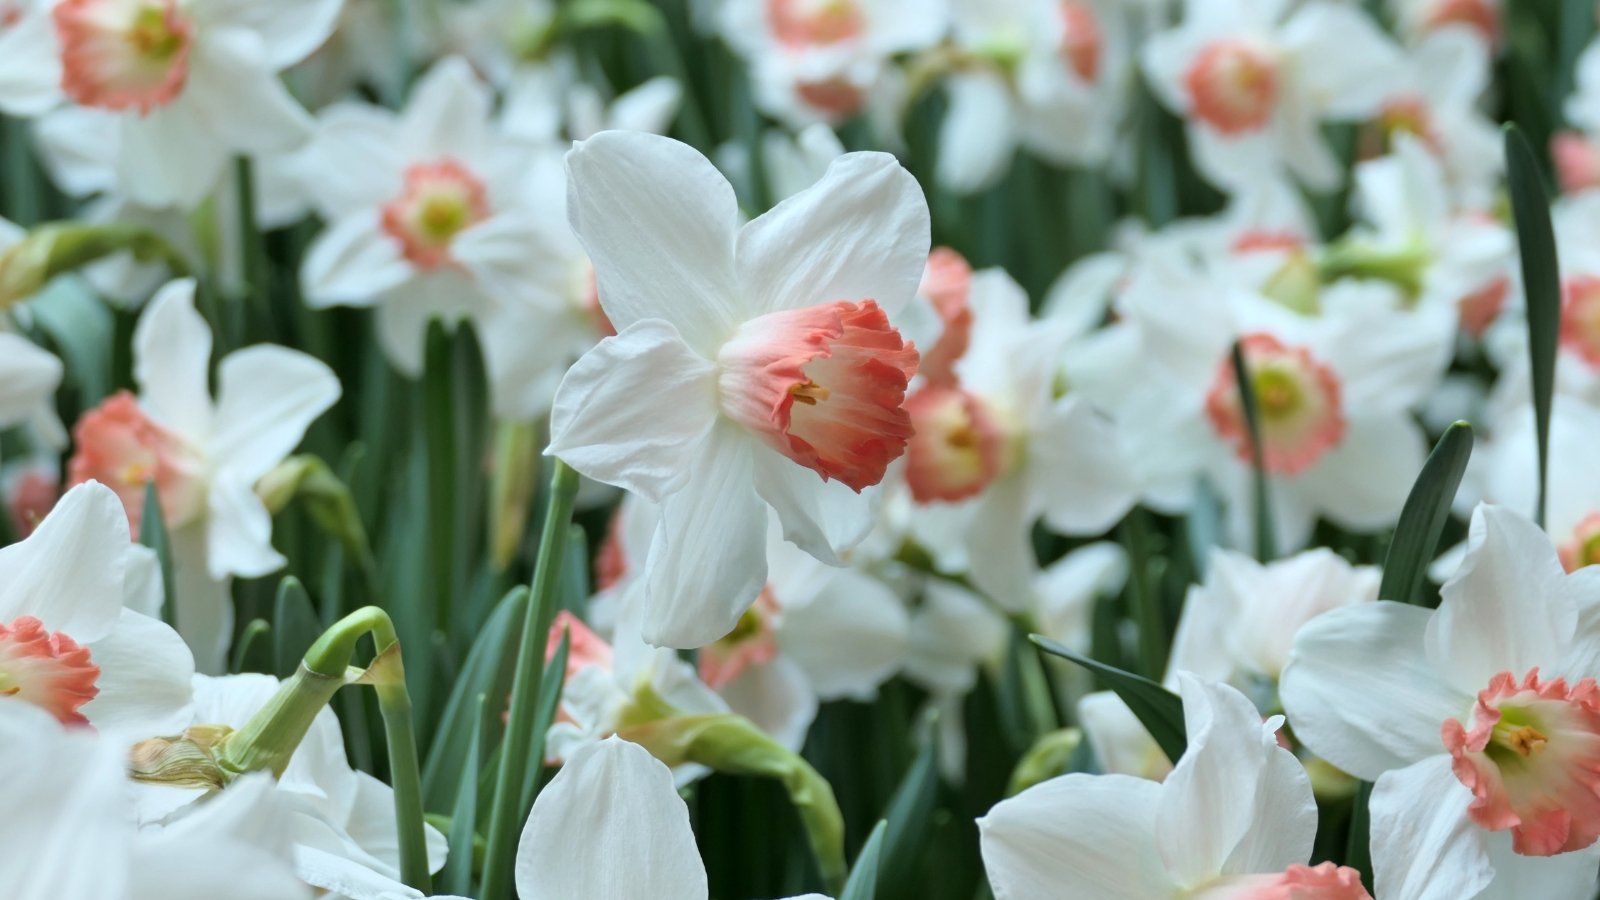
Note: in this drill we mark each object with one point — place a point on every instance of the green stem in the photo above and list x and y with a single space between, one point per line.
1146 605
251 249
332 653
1266 539
506 815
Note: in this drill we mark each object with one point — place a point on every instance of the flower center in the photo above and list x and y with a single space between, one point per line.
1583 548
1580 318
438 201
1297 397
123 54
958 448
1233 84
10 13
47 669
798 24
122 448
824 386
752 642
1480 308
946 283
1081 40
584 647
1532 761
836 96
1324 881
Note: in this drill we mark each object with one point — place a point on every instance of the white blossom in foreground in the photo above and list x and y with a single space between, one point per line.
69 832
754 366
203 455
1235 820
611 824
1478 721
78 637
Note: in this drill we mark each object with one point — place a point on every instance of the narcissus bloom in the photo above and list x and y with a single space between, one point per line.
203 455
1479 721
77 634
1234 820
29 377
69 832
189 83
611 824
754 366
1255 81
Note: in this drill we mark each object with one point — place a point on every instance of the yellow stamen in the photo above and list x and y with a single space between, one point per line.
1526 740
808 393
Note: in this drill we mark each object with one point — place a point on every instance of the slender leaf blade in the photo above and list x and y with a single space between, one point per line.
1158 709
154 535
1541 282
1266 540
910 819
863 881
457 875
1422 519
294 626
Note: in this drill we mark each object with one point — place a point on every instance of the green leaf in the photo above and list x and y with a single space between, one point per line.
153 534
910 819
1422 520
1158 709
295 626
486 672
555 674
439 427
1358 846
253 651
863 881
1266 542
457 875
1541 281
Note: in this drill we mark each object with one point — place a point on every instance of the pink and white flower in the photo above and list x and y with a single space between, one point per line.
429 213
203 455
78 633
1478 720
1235 820
745 357
1256 79
189 83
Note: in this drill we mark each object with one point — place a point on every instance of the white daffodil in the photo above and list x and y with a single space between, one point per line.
77 633
1234 820
1049 76
1417 19
69 832
1255 79
611 824
427 211
190 83
1238 626
1335 394
203 455
29 377
814 61
745 357
340 821
1479 721
995 449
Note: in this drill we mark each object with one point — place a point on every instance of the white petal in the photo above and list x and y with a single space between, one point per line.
145 675
352 263
1359 690
203 605
1076 836
708 560
1424 847
1067 589
231 845
172 361
142 589
169 157
515 259
66 830
1362 483
978 136
861 233
354 161
30 65
610 824
267 397
658 222
777 697
448 112
850 638
1119 740
637 410
1080 470
1347 65
238 532
1000 544
69 573
1517 876
1508 608
28 377
823 518
371 824
289 29
238 95
1209 802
